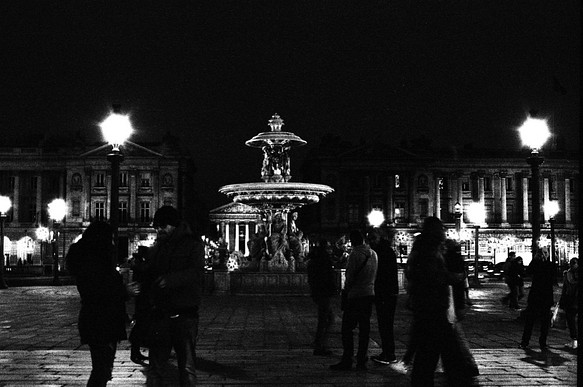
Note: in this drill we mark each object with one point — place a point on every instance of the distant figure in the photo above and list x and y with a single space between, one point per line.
103 295
569 299
322 280
540 300
175 274
434 322
140 322
361 272
454 263
515 281
506 269
386 288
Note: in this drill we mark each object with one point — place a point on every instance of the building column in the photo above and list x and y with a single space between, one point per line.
227 236
133 205
503 203
525 219
546 197
16 199
237 237
39 199
247 238
481 194
567 201
437 202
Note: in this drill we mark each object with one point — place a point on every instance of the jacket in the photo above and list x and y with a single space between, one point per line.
387 278
103 315
361 284
321 277
179 260
540 295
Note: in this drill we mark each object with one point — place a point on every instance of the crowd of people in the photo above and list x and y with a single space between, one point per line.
168 280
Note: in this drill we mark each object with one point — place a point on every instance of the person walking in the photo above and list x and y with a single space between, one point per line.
434 321
322 281
506 269
516 282
359 289
103 296
386 289
540 300
175 270
569 299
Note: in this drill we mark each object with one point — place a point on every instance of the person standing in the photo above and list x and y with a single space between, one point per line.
103 296
140 320
569 299
175 274
434 322
386 289
361 272
540 300
516 282
322 281
506 269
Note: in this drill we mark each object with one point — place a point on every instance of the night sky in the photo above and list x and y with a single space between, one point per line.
457 72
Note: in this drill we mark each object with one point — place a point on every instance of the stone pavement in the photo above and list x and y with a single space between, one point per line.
264 340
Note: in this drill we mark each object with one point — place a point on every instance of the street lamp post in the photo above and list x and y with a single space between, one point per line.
534 132
57 212
551 210
5 205
476 215
457 211
116 129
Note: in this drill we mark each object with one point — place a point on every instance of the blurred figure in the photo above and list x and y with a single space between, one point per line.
434 323
569 299
515 281
175 273
361 271
506 268
103 295
322 280
141 318
454 263
386 289
540 299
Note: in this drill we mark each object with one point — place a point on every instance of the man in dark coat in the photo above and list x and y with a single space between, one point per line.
540 299
386 289
175 272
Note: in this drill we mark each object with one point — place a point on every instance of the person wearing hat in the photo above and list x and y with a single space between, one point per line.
175 277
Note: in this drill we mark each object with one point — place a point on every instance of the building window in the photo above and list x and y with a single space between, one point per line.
99 210
397 181
145 180
123 212
100 179
551 184
76 207
144 212
399 212
422 181
465 185
509 185
123 179
423 208
353 213
487 184
167 180
76 180
441 183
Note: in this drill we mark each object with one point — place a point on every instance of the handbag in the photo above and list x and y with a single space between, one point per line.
558 319
344 292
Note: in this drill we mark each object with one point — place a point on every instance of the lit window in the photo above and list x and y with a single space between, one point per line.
100 210
397 181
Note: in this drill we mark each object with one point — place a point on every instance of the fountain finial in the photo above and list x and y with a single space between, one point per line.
276 123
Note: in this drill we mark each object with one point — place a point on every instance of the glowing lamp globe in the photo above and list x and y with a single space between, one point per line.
5 204
551 208
476 213
376 218
534 132
57 209
116 129
42 233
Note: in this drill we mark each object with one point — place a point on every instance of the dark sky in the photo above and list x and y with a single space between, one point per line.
454 71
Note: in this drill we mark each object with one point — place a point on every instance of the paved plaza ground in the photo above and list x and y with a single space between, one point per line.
265 340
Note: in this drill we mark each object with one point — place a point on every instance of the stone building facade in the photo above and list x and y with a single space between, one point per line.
411 183
151 175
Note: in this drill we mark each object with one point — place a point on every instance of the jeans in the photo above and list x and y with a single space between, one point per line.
325 318
179 333
531 315
102 356
571 316
357 313
385 308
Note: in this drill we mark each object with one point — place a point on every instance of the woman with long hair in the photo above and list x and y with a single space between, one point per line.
103 316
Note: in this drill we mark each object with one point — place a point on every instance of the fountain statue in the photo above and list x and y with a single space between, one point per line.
278 246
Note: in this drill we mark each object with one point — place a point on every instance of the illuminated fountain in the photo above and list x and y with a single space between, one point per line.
276 196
